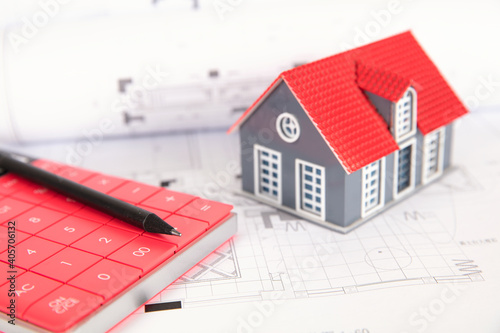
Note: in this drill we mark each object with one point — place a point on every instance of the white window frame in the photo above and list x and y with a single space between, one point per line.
257 174
413 159
426 178
299 188
413 116
364 170
284 136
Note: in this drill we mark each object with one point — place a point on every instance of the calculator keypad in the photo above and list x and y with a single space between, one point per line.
70 259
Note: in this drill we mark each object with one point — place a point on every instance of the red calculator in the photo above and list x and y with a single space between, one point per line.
65 267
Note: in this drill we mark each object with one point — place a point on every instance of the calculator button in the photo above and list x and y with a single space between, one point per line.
189 228
93 215
29 288
134 192
69 230
103 183
37 219
33 251
125 226
169 201
4 237
144 253
10 208
63 204
107 278
160 213
104 240
62 308
75 174
11 183
7 269
205 210
66 264
34 193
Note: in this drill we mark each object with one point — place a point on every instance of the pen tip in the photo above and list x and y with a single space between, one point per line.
153 223
175 232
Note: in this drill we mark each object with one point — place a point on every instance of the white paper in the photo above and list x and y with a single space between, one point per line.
428 264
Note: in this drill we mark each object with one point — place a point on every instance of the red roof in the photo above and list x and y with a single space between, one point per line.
330 92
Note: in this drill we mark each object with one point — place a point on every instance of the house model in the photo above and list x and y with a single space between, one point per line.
338 140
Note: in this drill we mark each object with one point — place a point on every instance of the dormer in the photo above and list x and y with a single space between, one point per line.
394 98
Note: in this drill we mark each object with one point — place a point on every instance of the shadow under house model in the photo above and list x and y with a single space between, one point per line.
337 140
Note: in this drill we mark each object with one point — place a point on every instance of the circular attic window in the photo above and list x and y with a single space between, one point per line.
288 127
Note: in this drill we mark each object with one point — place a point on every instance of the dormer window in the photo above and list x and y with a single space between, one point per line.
405 115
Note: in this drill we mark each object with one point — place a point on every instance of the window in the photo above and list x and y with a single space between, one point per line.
267 168
372 187
406 115
310 188
404 168
288 127
433 155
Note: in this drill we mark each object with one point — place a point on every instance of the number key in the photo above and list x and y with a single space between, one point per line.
144 252
107 278
37 219
104 240
66 264
33 251
69 230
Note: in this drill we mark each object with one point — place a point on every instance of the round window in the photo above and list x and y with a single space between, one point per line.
288 127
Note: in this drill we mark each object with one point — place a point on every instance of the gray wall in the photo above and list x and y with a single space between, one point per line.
260 128
448 145
384 107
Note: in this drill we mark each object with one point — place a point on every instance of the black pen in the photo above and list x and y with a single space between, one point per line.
122 210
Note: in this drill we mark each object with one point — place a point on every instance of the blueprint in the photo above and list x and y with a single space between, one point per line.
427 264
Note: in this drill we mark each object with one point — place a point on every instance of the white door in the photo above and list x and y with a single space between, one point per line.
267 169
310 188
